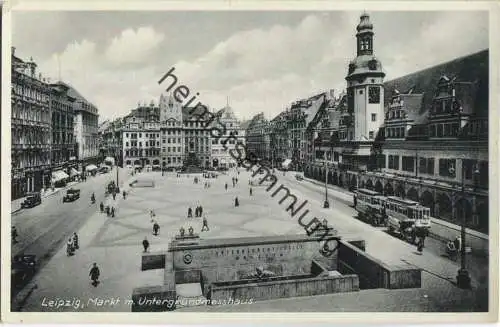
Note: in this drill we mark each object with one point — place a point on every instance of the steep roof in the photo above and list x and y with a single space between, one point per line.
471 68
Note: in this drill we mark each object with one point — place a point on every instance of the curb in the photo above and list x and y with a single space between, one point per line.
46 196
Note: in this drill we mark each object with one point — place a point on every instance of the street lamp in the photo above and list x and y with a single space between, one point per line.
463 277
326 204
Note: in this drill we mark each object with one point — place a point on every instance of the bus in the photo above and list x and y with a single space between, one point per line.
370 206
407 218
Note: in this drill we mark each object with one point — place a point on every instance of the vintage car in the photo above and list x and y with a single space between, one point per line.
22 269
32 200
71 195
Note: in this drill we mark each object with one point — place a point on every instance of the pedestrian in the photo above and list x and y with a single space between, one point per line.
226 186
205 224
94 274
69 247
156 228
107 210
124 195
200 212
420 245
101 206
251 191
145 244
190 213
355 200
196 211
75 241
14 234
114 195
112 212
236 202
458 243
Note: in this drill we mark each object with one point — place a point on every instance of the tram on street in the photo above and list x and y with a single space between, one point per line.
370 206
407 218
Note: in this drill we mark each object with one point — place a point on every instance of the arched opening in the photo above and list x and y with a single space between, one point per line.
412 194
378 187
400 191
369 184
444 207
335 178
464 211
215 163
483 217
427 200
388 190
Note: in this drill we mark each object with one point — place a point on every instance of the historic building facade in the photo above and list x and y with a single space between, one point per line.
141 143
279 143
172 133
31 129
63 147
234 134
256 140
429 143
86 128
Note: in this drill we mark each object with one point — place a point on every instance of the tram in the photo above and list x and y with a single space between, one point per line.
370 206
407 218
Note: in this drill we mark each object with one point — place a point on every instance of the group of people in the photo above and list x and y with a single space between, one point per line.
198 212
110 210
72 245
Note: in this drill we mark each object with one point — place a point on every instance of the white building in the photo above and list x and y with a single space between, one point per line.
172 134
234 134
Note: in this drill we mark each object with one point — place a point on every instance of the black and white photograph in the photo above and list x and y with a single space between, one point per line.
245 159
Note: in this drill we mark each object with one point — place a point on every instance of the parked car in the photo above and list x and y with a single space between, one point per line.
299 177
22 269
71 195
32 200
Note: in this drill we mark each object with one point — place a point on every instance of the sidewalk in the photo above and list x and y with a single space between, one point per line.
15 205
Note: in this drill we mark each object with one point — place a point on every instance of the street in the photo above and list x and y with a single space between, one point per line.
114 243
44 228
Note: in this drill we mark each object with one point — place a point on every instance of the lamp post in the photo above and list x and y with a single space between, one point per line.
326 204
463 277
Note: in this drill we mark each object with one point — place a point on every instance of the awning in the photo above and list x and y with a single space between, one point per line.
91 167
286 163
73 172
59 175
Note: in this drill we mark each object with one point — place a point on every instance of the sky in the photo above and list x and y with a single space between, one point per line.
260 61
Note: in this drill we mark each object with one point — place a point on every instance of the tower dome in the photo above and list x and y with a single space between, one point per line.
364 23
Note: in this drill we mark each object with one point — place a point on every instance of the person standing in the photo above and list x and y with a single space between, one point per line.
14 234
94 274
190 213
124 194
145 244
101 206
112 212
236 202
251 192
226 186
205 224
200 212
75 241
156 228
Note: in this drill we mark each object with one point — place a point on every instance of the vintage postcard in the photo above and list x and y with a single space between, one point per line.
249 161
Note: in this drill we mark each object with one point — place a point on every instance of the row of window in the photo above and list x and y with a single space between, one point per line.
139 153
171 149
443 130
395 132
26 90
31 112
30 159
31 136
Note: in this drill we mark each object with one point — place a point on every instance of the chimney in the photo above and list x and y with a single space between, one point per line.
13 50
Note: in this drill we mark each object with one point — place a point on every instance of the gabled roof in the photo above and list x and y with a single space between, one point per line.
472 68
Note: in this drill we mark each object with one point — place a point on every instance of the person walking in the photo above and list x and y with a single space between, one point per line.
75 241
225 186
145 244
14 234
124 195
190 213
156 228
251 192
94 274
101 206
200 211
458 244
205 224
112 212
236 202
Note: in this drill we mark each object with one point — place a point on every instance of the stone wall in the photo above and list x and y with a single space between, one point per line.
373 273
274 289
